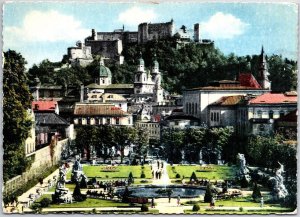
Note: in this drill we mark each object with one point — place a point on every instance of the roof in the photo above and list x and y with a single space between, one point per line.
44 105
104 71
49 119
111 86
229 100
274 98
248 80
86 109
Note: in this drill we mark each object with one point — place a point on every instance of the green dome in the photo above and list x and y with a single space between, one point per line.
141 61
104 71
156 63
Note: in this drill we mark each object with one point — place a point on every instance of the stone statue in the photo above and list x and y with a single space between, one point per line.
200 157
243 170
279 189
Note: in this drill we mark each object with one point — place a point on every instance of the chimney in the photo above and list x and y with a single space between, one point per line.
81 92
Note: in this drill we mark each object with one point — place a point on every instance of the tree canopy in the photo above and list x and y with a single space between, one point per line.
16 121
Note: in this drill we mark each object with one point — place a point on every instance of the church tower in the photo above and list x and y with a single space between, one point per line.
156 78
263 71
104 74
140 78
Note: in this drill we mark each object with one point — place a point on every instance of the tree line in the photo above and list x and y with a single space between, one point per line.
203 63
103 138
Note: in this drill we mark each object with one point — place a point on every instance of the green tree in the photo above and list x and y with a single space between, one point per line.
208 194
16 122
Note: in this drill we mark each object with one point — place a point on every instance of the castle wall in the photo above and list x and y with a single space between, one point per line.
109 49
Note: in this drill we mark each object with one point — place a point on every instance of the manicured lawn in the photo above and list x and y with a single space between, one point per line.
91 203
268 211
121 172
211 172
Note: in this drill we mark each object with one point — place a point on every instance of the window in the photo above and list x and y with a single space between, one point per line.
117 121
107 121
196 108
88 121
259 114
211 116
192 108
218 118
271 114
103 81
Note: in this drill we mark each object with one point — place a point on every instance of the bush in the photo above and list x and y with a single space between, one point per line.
130 178
241 209
178 176
256 192
244 183
193 177
144 208
83 183
143 175
144 181
77 194
196 207
208 194
45 202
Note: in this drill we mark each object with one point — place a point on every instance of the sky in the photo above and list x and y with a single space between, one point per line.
43 30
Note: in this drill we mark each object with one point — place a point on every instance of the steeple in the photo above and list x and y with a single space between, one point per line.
263 71
141 66
155 64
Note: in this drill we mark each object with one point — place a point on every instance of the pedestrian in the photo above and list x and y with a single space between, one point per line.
157 164
156 174
159 174
152 203
261 202
212 204
169 196
162 164
178 200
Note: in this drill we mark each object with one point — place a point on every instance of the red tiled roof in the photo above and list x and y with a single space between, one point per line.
273 98
248 80
98 110
44 105
229 100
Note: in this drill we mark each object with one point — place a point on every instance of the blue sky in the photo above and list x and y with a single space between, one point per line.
45 30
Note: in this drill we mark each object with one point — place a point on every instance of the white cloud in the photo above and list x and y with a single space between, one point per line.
223 26
49 26
134 16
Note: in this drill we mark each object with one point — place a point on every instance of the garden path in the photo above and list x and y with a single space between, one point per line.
164 179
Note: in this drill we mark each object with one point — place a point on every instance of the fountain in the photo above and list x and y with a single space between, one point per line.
220 162
77 173
201 158
279 190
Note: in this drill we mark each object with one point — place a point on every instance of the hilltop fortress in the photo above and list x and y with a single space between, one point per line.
110 44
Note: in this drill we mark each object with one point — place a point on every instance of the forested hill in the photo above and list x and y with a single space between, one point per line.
193 65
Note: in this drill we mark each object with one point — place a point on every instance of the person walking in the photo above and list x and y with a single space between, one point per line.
152 203
178 200
212 204
169 196
261 202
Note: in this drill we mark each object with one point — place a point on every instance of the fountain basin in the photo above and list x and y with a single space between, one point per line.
159 191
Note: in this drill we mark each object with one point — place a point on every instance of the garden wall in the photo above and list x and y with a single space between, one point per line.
42 162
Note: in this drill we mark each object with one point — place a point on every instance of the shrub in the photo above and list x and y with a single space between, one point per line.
193 177
208 194
178 176
143 175
144 208
143 167
256 192
130 178
244 183
196 207
77 194
45 202
144 181
83 183
241 209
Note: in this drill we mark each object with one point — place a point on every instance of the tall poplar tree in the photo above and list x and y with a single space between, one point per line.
16 122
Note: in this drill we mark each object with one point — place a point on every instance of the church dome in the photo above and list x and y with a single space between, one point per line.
104 71
141 61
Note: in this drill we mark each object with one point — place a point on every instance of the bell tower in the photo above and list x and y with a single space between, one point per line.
263 71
